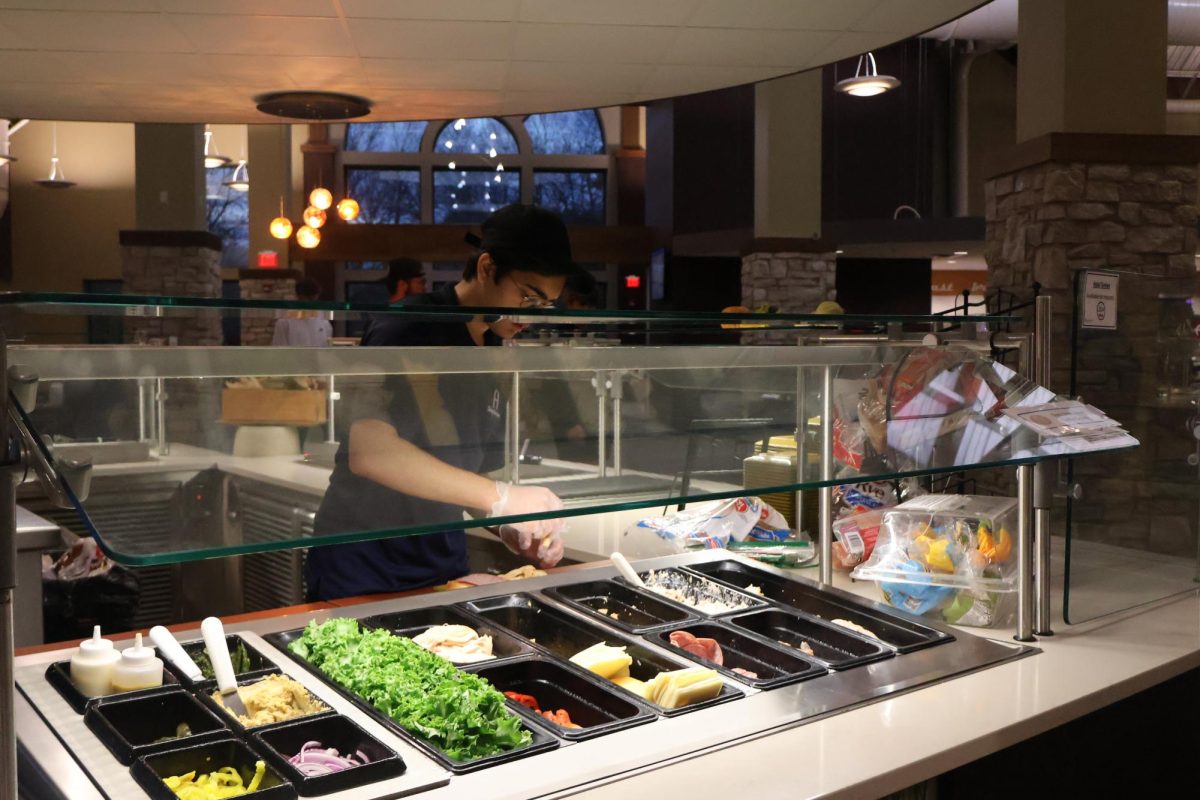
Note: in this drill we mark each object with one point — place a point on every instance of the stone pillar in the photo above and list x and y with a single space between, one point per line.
1068 202
781 274
258 325
172 264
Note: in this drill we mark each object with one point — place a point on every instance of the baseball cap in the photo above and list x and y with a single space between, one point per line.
527 237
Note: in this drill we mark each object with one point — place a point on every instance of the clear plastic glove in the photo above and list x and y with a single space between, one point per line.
537 539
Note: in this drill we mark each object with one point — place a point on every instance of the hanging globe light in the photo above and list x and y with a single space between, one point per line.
314 217
307 237
281 227
347 209
320 197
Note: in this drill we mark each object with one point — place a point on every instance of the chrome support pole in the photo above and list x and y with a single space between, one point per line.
160 416
617 390
801 454
826 492
601 426
141 384
515 406
1024 554
8 582
1043 480
330 430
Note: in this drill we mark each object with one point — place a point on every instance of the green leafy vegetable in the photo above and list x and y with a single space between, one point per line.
239 656
459 713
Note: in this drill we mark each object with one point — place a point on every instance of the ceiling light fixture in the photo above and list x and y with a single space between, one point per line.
320 106
960 252
212 158
314 217
240 182
347 209
57 179
867 82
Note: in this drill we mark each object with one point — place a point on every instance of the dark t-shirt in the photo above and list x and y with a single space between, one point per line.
457 418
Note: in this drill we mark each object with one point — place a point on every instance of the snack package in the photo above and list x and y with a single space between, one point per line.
854 538
706 525
948 557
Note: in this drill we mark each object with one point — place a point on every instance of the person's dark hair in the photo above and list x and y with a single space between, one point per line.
402 269
581 287
308 289
526 238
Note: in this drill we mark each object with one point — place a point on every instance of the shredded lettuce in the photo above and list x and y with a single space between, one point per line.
459 713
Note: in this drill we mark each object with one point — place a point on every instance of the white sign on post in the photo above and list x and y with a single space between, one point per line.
1100 300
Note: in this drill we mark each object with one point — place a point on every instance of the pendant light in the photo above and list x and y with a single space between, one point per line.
314 217
320 197
867 82
240 182
212 159
308 237
281 226
57 179
347 209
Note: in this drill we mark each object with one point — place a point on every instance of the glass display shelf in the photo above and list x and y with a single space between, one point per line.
189 432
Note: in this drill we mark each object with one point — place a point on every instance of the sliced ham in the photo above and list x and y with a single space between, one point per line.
746 672
708 649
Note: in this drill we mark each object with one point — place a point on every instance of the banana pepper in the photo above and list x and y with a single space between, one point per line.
995 549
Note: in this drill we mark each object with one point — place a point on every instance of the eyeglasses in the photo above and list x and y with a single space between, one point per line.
529 298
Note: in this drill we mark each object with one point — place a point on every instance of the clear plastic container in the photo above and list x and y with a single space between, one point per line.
948 557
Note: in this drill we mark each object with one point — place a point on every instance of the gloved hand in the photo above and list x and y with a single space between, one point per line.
537 539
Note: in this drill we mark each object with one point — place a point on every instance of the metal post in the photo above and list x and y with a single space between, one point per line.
1043 479
1024 554
160 416
601 426
515 405
826 492
330 432
141 409
8 581
801 455
617 392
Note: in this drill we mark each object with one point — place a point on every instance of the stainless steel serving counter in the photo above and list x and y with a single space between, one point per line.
55 738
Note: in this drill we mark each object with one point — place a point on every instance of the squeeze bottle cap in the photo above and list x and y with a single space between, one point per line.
95 645
138 654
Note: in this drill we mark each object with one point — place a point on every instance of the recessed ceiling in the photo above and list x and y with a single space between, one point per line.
204 60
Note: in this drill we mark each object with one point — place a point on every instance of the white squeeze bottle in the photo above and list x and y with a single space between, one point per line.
138 668
92 665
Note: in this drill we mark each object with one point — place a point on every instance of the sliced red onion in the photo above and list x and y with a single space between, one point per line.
313 760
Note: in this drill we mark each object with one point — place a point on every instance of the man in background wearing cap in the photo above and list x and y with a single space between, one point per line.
406 276
419 445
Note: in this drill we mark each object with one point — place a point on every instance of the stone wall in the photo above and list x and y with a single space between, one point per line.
258 325
794 282
1086 210
172 264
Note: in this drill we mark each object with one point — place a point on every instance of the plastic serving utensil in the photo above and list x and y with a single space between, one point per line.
626 569
218 653
169 646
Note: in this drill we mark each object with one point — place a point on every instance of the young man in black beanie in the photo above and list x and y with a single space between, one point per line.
418 447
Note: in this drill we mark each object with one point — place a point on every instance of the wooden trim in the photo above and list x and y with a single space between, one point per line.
268 274
1097 148
150 238
788 245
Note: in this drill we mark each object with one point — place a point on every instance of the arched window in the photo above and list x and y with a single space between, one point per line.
479 136
566 133
385 137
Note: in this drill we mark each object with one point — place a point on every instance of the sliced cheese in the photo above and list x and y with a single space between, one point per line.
683 687
632 684
604 660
